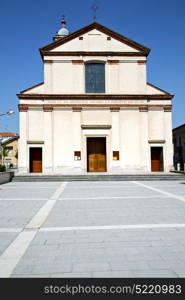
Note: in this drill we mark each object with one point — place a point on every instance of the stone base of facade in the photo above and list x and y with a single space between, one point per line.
80 171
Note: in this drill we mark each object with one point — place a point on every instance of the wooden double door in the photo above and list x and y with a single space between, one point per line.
36 160
96 154
157 159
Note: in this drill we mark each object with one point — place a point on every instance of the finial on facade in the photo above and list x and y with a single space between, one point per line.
94 7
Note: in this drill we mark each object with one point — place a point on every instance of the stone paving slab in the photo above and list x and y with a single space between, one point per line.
136 252
103 258
114 212
174 187
104 192
15 214
5 239
26 193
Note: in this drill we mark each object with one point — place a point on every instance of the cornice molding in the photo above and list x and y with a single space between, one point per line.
35 142
156 141
91 53
96 126
95 96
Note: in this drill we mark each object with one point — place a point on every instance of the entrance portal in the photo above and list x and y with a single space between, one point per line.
96 154
36 160
157 159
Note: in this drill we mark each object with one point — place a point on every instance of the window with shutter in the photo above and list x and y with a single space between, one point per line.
95 78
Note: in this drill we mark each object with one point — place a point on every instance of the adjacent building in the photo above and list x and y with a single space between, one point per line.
9 149
179 147
95 110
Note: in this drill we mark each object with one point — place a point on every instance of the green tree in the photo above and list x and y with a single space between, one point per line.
16 154
3 153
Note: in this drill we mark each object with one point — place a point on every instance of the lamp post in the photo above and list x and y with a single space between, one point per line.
9 113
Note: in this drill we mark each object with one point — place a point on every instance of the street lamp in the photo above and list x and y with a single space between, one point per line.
9 112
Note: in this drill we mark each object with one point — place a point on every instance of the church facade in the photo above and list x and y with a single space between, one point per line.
95 110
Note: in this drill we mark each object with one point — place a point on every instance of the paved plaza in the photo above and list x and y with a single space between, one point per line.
92 229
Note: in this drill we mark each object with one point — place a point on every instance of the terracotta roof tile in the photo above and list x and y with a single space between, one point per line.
8 134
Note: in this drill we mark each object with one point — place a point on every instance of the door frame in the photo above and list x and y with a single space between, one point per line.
163 150
28 155
85 133
84 145
96 137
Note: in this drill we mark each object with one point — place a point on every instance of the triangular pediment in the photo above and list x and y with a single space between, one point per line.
95 37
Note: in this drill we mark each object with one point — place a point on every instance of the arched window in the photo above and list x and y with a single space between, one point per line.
95 77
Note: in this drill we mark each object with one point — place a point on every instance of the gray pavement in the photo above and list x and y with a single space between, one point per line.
92 229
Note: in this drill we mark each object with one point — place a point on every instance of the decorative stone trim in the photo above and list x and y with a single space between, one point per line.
96 126
48 61
23 107
47 108
113 62
35 142
143 108
80 106
77 109
156 141
167 108
141 62
114 109
77 62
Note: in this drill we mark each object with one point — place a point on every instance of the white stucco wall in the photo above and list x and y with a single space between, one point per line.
156 124
129 138
64 77
96 116
62 139
131 133
94 40
36 125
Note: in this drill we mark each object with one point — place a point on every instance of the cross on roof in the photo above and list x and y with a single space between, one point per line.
94 7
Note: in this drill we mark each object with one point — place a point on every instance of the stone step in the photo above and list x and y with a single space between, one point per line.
108 177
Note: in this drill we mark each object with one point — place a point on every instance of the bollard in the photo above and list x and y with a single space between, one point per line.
178 167
184 167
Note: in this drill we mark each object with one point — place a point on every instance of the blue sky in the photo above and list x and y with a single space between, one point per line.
28 25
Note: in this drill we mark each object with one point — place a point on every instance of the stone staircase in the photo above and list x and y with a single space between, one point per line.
100 177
